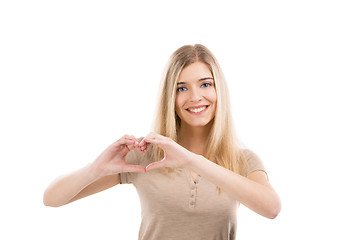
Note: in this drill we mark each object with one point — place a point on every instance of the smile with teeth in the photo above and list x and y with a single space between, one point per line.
197 110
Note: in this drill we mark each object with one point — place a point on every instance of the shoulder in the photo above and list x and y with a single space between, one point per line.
249 154
253 161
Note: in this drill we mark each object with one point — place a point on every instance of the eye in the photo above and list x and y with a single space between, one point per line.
206 84
181 89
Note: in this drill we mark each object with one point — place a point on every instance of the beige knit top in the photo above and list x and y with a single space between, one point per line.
174 206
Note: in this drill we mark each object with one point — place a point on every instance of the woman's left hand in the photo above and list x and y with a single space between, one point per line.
175 156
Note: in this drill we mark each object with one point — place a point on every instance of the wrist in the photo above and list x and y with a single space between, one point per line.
193 161
93 171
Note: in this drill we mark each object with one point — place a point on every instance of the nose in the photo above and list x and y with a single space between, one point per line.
195 95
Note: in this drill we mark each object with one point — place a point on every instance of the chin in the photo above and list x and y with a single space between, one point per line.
199 124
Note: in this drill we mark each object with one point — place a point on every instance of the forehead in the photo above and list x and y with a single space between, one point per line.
194 72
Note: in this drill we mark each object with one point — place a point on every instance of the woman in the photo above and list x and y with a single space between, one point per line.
191 172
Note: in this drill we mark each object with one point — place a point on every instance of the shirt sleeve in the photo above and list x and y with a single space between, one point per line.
253 161
132 158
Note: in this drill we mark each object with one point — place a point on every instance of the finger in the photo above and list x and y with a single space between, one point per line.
121 144
131 147
156 165
122 140
134 168
133 138
125 140
151 135
135 142
142 149
151 140
143 145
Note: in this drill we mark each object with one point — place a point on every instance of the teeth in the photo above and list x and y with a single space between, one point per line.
196 110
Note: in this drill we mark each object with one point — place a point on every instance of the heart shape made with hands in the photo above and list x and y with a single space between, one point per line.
174 154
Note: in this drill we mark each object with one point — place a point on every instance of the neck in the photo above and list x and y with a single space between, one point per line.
194 138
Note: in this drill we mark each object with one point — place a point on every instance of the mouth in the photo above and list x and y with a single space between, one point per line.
197 109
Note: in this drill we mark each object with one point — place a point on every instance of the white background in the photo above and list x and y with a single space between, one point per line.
77 75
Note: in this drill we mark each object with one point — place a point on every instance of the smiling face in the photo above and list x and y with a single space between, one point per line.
195 101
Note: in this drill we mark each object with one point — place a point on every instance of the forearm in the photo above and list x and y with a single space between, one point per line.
259 198
62 190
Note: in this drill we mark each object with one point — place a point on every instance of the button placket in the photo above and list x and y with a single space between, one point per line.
193 190
192 199
193 193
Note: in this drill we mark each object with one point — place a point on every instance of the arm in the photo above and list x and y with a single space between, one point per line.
254 191
77 185
102 174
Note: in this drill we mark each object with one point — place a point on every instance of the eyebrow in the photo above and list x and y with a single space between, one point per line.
201 79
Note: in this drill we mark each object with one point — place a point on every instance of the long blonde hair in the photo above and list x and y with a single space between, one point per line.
223 146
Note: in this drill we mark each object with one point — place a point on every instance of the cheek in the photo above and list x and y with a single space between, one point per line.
213 96
178 104
213 99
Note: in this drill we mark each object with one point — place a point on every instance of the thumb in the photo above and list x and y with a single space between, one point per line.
135 168
156 165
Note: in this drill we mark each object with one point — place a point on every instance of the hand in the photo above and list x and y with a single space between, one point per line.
175 156
112 160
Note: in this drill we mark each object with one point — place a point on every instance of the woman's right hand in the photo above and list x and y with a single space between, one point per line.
112 160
